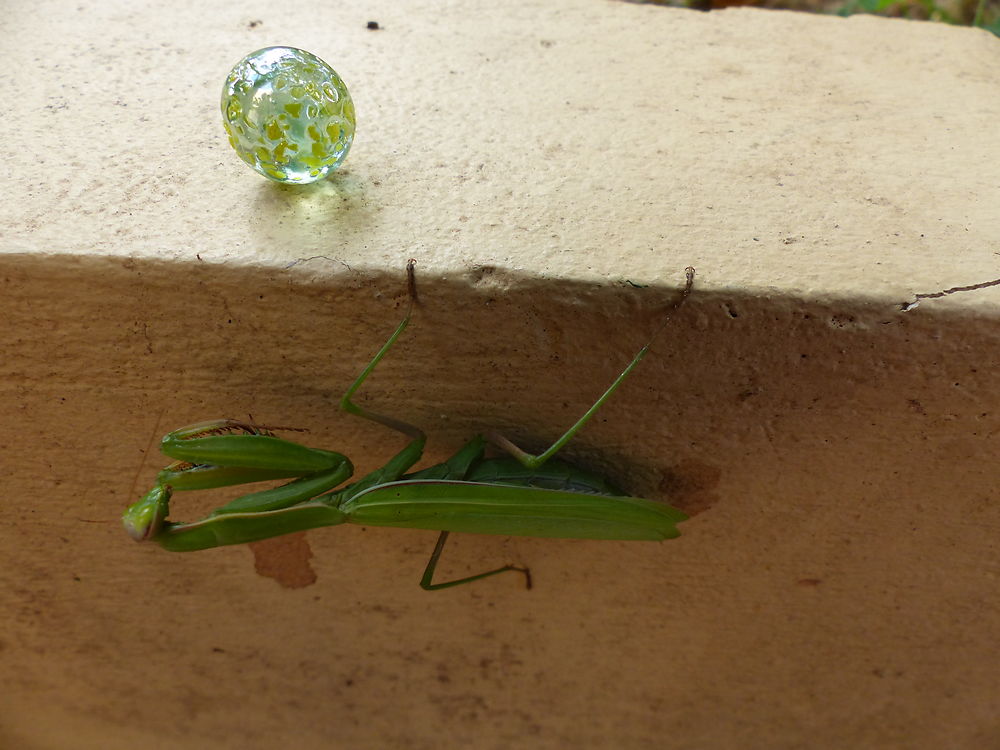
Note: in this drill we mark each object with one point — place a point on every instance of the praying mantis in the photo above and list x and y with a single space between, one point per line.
517 494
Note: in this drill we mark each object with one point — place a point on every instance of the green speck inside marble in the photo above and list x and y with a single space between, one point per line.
288 114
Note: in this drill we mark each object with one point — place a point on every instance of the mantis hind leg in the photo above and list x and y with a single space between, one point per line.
425 582
533 461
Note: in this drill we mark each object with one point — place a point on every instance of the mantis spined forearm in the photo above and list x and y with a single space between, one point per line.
518 494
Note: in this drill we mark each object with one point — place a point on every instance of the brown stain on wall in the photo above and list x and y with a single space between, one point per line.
689 486
285 559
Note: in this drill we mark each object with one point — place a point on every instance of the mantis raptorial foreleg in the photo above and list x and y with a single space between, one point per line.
210 455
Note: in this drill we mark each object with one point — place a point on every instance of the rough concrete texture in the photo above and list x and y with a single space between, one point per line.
553 166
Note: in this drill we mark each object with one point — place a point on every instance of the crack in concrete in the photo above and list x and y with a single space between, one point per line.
318 257
907 306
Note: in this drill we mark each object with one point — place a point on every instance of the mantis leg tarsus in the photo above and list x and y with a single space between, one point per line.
411 282
425 581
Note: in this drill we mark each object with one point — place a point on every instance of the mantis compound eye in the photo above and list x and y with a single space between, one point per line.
145 519
288 114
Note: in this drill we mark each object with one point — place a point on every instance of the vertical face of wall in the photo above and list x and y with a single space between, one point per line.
833 456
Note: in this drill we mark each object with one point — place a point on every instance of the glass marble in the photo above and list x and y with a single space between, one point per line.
288 114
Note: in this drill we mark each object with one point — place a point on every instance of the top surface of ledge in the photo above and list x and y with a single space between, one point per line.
592 139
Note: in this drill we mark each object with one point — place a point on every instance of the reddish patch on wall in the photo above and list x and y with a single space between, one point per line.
689 486
285 559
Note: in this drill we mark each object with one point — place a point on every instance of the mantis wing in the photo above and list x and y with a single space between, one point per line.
476 508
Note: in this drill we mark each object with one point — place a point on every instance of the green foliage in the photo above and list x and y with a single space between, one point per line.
922 9
984 14
930 10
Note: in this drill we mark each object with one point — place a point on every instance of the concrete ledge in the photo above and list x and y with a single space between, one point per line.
553 168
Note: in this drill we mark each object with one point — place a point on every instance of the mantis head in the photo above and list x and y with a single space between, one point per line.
144 520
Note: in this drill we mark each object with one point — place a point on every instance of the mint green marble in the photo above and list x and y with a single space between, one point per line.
288 114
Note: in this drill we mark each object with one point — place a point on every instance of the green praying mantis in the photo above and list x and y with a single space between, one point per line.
517 494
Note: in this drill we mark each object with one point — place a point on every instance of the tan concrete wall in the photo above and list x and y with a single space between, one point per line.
838 586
